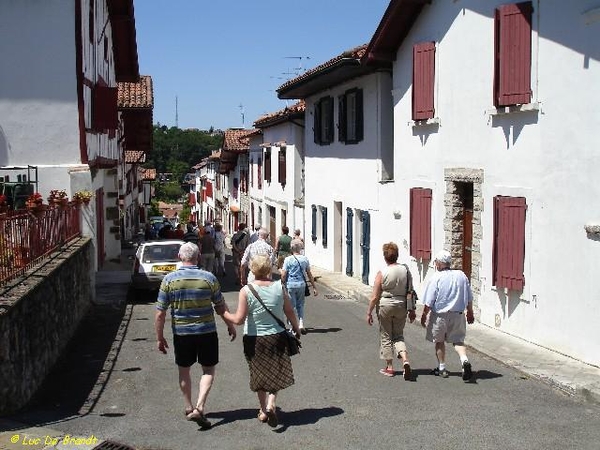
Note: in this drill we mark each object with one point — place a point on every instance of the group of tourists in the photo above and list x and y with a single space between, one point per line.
266 307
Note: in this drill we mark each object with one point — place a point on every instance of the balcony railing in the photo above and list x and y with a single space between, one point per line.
27 237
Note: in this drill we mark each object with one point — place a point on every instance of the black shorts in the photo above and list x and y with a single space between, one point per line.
203 348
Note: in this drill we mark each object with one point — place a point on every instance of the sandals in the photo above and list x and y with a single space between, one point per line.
272 418
387 372
196 416
262 416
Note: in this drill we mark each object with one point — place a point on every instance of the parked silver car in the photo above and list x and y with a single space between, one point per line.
153 260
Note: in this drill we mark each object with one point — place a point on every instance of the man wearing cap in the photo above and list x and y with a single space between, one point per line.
447 295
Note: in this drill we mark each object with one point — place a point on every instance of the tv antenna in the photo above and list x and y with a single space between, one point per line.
298 69
176 113
242 113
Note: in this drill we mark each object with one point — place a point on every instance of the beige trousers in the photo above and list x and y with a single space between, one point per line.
391 330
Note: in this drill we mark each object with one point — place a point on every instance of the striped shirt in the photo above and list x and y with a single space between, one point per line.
191 293
260 247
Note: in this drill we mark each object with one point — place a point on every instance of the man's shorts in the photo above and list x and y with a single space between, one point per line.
450 327
203 348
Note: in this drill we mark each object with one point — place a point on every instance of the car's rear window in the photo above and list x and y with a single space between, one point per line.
160 253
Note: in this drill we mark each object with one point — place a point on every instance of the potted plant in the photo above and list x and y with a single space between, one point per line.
3 203
83 196
58 196
34 200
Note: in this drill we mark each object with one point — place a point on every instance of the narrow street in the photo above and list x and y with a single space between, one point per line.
114 385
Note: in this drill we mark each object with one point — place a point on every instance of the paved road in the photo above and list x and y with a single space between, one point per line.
115 385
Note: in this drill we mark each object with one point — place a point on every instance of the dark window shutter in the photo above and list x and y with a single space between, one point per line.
313 230
423 80
104 107
508 258
342 118
259 177
359 115
268 166
317 123
282 166
324 224
512 71
420 223
329 131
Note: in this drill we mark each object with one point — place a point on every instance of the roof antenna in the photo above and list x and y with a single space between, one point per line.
176 113
242 113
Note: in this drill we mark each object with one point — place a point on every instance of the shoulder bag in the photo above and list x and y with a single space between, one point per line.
306 288
411 295
293 343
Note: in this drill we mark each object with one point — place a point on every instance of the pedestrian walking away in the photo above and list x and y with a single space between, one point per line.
219 264
265 342
193 295
259 247
207 251
239 242
298 240
283 248
254 235
295 274
190 235
446 296
390 299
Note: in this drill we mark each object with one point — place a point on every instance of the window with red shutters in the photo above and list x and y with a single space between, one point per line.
282 167
512 68
268 165
508 258
104 108
191 199
423 81
420 223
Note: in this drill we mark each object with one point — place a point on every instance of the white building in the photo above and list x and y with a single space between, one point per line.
61 62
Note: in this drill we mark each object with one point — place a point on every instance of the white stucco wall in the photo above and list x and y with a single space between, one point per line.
547 156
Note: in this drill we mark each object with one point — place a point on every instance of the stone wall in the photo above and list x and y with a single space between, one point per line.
39 313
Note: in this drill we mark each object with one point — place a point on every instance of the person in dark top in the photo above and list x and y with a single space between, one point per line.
207 251
190 235
283 248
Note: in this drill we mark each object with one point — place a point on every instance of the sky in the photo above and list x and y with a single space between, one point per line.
218 63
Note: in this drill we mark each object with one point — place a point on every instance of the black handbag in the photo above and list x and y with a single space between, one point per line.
293 343
306 288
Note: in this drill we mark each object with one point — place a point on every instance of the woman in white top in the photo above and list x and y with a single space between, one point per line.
392 285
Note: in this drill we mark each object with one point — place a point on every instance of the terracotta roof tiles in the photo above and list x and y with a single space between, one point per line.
283 114
134 157
136 95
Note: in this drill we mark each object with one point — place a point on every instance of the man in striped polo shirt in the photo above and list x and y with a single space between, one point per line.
193 295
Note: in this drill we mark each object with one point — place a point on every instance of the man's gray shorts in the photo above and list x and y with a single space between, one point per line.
450 327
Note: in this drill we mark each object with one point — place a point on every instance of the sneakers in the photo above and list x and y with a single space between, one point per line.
301 326
467 371
407 371
387 372
440 373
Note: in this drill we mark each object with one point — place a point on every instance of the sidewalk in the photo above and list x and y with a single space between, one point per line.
567 374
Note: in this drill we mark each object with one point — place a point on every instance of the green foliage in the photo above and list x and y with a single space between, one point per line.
153 209
179 149
170 191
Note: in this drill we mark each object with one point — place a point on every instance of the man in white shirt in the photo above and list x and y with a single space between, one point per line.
260 247
446 296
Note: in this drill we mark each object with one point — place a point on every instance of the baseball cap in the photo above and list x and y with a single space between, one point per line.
444 257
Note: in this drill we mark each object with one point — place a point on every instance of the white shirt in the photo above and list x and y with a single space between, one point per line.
448 290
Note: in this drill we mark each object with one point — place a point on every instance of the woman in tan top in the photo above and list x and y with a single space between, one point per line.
392 284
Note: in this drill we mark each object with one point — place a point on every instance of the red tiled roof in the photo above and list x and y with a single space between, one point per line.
236 140
136 95
201 164
134 157
283 114
355 53
148 174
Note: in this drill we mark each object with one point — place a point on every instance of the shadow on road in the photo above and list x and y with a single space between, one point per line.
322 330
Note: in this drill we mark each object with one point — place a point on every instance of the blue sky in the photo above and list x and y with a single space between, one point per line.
217 55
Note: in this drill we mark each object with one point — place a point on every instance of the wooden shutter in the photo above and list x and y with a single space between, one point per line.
282 166
342 118
423 80
508 258
268 165
313 230
104 108
512 71
359 118
259 177
324 225
317 123
329 116
191 199
420 223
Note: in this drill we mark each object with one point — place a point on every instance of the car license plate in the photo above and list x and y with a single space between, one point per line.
164 268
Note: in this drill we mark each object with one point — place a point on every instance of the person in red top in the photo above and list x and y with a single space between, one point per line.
178 233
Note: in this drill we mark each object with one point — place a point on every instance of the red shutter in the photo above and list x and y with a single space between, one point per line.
191 199
420 223
104 105
509 242
209 189
513 54
423 80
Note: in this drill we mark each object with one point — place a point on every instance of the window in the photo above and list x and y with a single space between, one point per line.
104 108
350 117
512 68
508 258
323 125
268 165
423 81
282 167
251 173
420 223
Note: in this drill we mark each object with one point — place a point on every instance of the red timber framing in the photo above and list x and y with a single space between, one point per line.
420 223
423 81
512 68
508 259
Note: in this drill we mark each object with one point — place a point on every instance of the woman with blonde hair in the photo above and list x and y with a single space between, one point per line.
265 344
392 286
